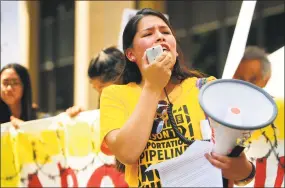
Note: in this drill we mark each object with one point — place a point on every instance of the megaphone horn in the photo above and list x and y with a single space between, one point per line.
235 109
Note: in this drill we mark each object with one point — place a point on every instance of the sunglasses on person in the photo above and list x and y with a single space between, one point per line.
160 118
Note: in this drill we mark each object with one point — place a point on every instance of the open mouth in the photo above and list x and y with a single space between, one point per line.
165 47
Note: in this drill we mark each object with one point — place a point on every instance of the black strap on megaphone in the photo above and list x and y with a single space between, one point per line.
234 153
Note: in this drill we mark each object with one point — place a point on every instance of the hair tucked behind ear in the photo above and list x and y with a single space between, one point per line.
132 72
180 71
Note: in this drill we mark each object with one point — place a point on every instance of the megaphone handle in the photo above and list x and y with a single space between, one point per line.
235 153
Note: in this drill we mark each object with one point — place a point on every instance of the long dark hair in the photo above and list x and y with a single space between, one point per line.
26 101
180 71
133 74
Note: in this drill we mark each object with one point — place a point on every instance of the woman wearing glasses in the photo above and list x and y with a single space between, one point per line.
16 95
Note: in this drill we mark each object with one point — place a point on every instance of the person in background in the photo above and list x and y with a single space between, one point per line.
107 68
254 67
104 69
128 112
16 95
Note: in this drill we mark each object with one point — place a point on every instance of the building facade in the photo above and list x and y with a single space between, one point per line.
58 38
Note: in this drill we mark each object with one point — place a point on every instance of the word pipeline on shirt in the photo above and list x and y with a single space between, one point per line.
163 146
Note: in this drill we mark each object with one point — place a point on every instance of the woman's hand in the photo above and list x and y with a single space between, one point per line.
233 168
16 122
157 74
73 111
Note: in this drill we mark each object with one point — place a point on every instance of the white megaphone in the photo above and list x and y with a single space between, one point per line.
235 108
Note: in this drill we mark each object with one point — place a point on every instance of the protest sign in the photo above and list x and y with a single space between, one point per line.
57 152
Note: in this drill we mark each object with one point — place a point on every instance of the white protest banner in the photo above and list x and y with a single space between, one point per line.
266 151
275 85
239 38
57 152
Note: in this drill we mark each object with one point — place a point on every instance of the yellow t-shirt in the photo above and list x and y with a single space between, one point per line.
119 101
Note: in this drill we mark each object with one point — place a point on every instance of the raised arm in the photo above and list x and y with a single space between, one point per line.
128 142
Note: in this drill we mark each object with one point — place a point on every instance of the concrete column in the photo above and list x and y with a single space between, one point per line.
97 26
29 36
156 5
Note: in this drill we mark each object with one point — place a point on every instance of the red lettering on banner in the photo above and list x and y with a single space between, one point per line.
260 175
117 177
95 180
280 174
64 173
34 181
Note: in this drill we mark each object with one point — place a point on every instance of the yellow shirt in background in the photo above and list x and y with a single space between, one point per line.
118 103
279 124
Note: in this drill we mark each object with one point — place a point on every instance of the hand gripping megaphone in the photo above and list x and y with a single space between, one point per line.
235 109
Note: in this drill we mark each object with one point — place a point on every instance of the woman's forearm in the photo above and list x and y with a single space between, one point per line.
129 142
